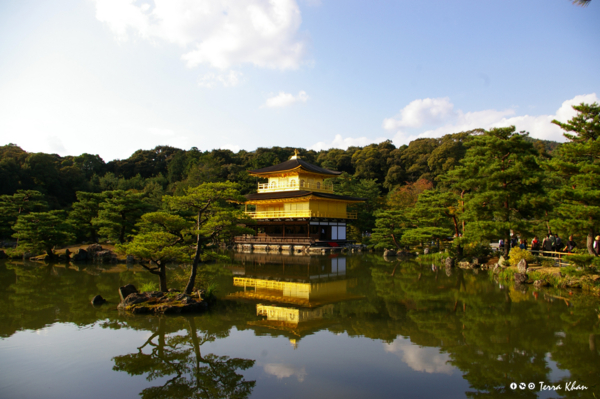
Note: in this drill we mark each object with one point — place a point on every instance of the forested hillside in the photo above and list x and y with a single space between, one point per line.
168 170
473 187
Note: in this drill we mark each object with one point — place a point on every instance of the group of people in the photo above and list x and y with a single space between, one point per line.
551 243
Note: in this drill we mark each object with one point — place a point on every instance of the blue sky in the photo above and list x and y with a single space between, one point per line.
113 76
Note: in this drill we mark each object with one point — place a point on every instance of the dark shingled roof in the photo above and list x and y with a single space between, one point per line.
297 194
293 164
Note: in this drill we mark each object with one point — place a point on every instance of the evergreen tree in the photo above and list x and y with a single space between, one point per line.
210 207
22 202
434 217
118 214
42 231
162 239
502 181
577 164
84 211
390 225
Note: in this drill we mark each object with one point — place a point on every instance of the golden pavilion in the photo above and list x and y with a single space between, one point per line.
297 207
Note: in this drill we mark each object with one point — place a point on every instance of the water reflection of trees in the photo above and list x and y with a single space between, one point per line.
178 358
494 336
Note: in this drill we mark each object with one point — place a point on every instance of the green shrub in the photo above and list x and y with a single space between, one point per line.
149 286
517 254
477 249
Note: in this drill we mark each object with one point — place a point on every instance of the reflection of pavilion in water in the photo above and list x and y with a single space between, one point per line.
307 286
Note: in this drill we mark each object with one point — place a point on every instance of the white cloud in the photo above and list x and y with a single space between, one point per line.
217 33
344 143
427 359
281 370
231 147
55 145
285 99
230 79
427 111
439 117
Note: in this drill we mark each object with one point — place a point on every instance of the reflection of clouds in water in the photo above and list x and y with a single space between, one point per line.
281 370
426 359
556 373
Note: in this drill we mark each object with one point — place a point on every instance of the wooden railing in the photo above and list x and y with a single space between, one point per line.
273 240
285 186
301 214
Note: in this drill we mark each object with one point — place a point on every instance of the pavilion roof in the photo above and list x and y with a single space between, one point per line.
300 193
294 164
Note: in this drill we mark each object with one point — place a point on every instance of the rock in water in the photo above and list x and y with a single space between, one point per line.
135 298
389 252
126 290
449 262
80 256
522 266
98 300
521 278
540 283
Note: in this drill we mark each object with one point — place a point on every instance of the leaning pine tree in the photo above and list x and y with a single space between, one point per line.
502 181
577 164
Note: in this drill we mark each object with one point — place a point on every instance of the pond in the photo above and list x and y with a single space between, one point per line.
297 327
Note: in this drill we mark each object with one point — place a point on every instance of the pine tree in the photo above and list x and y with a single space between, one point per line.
209 205
118 214
84 211
435 216
577 164
42 231
21 203
502 181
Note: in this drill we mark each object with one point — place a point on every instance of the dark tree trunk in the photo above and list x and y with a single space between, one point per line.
506 243
162 276
192 280
590 242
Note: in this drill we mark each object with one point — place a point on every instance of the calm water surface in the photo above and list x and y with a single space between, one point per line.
296 327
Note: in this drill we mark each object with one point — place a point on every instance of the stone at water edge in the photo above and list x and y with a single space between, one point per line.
134 298
522 266
98 300
501 260
449 262
540 283
127 290
389 252
81 255
465 265
521 278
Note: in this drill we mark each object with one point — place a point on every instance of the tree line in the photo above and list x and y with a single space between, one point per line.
474 186
504 185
